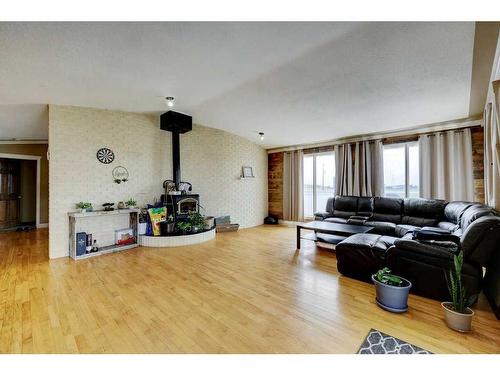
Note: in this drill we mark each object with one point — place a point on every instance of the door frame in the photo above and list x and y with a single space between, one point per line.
37 159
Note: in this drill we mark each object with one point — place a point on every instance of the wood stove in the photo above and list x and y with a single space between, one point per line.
182 205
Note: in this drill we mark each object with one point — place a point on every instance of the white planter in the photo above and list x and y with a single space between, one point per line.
141 228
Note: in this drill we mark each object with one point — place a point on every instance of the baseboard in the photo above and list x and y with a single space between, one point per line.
289 223
42 225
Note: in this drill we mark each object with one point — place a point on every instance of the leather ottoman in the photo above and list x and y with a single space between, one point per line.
361 255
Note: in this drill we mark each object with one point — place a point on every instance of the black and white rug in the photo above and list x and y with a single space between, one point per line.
377 342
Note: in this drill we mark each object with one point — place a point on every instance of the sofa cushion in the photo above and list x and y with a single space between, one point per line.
402 229
387 209
450 227
422 212
365 206
382 227
345 206
480 239
329 205
339 220
454 210
473 213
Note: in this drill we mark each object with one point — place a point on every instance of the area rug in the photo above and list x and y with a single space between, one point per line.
377 342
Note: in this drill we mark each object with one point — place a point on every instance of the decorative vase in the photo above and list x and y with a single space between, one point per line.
392 298
141 228
121 205
457 321
170 227
209 222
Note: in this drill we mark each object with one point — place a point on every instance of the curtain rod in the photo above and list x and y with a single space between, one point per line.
429 128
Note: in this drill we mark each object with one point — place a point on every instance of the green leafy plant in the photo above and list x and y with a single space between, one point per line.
84 205
183 226
458 294
197 220
385 277
131 203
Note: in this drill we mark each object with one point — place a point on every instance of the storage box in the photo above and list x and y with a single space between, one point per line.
124 236
227 227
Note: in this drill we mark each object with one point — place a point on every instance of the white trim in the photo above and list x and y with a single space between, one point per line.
30 157
292 223
23 142
439 126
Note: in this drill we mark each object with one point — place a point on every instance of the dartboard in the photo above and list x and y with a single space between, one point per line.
105 155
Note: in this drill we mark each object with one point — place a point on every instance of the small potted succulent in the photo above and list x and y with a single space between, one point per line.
392 291
197 222
84 206
184 226
131 203
457 313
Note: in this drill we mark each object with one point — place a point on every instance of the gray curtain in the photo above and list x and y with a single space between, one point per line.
491 124
446 165
293 186
362 173
343 170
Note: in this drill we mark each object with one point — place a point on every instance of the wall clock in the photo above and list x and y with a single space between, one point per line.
105 155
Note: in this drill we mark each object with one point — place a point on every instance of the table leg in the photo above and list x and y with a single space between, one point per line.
298 237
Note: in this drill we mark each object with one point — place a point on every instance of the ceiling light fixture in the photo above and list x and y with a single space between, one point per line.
170 101
261 135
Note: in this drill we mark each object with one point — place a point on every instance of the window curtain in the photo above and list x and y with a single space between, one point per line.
446 165
362 173
492 150
293 186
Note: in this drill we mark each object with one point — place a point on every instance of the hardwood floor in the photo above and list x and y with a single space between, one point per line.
245 292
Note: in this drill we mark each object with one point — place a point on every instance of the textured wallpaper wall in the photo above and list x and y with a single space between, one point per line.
211 159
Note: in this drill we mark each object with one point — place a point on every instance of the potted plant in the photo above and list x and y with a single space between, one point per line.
131 203
143 222
457 313
197 222
170 224
184 226
84 206
392 291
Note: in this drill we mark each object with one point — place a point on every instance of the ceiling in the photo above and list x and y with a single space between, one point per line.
297 82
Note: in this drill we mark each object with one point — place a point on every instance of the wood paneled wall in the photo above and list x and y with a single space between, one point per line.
275 184
275 169
477 135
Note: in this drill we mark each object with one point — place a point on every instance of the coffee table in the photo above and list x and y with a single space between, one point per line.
332 233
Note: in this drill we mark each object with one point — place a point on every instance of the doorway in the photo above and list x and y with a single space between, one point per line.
19 192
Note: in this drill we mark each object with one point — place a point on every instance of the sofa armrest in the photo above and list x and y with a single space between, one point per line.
322 215
439 249
425 266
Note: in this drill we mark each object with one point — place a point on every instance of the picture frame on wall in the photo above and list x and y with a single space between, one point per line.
247 172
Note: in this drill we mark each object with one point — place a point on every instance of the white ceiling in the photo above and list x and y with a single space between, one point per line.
297 82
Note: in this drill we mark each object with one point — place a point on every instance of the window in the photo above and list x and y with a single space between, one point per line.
319 181
401 174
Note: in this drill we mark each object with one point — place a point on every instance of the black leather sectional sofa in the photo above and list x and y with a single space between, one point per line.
390 242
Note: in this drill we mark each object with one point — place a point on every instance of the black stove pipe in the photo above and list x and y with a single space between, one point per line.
176 158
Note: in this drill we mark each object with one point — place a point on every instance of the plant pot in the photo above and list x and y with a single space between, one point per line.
209 222
83 210
170 227
392 298
455 320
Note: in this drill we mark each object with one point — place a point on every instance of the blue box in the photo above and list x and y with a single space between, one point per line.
81 243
